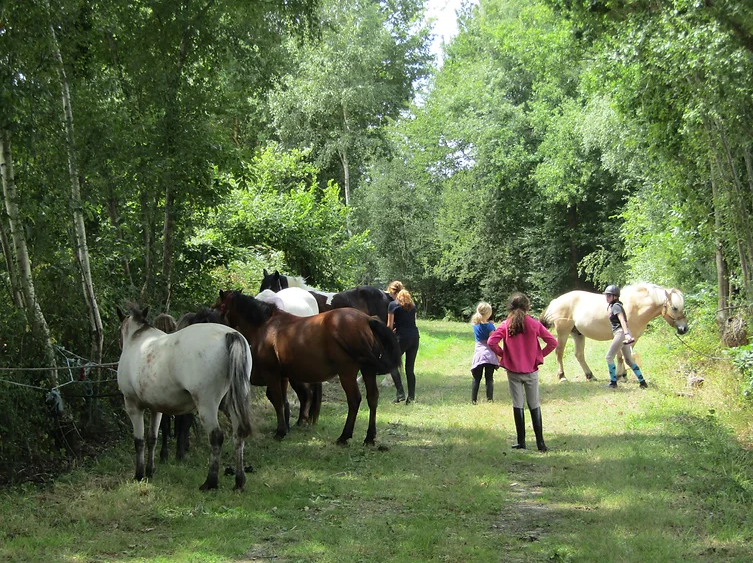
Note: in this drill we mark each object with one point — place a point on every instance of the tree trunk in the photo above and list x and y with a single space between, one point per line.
10 261
722 277
146 218
81 250
167 248
34 315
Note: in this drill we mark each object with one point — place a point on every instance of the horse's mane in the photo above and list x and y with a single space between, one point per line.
253 310
657 292
203 315
299 281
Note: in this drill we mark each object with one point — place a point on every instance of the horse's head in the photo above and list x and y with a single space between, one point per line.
132 322
274 282
673 310
236 308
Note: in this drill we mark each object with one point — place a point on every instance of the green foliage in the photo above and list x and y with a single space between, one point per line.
278 206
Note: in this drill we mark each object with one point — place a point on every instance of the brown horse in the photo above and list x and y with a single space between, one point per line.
314 349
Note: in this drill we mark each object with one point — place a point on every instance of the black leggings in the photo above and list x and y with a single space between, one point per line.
409 347
488 372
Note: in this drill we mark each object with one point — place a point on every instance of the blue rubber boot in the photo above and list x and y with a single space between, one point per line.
612 376
639 375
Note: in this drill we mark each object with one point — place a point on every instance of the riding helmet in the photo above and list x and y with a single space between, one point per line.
612 290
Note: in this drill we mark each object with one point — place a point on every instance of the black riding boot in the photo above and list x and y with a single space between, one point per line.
520 427
536 422
398 386
474 390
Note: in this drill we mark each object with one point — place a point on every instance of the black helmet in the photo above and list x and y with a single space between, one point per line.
612 290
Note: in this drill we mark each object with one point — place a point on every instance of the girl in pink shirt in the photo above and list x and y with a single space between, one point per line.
521 356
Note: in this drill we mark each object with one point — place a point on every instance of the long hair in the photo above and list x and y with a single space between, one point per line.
517 309
405 300
395 287
482 314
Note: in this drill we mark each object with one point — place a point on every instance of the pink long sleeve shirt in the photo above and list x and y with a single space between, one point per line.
522 353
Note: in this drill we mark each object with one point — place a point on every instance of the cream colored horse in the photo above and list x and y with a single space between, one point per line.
584 315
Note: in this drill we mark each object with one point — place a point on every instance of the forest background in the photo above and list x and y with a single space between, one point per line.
159 151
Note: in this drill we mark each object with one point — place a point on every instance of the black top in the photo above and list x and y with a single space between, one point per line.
405 321
614 310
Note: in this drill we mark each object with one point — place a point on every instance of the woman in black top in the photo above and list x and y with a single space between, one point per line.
401 317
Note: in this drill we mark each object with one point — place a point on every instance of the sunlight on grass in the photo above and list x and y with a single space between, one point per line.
632 475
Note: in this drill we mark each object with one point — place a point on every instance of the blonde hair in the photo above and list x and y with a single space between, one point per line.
395 287
165 323
482 314
405 300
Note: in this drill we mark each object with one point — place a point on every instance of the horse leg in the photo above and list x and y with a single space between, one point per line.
372 397
562 336
151 443
275 396
580 355
239 442
165 428
210 422
182 431
621 369
304 398
136 415
353 394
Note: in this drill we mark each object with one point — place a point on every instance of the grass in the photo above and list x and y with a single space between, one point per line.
656 475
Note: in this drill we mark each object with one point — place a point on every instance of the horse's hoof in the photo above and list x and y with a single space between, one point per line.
240 481
342 442
249 469
208 485
563 379
279 437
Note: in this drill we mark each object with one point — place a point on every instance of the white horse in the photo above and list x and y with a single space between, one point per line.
176 373
294 300
584 315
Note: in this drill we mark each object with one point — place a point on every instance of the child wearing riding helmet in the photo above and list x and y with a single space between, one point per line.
521 357
484 360
622 338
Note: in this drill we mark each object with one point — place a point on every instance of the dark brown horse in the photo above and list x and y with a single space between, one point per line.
314 349
309 394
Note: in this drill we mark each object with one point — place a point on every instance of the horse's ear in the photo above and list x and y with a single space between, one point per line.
222 294
265 272
240 290
121 316
277 275
669 296
145 314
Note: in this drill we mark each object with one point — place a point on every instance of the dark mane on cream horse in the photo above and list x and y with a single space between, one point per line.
314 349
584 315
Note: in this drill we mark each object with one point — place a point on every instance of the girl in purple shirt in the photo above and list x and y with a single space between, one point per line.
484 360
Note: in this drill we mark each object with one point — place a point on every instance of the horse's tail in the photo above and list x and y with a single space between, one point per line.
240 380
385 351
316 403
545 319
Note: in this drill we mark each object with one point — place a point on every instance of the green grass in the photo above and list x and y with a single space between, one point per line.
657 475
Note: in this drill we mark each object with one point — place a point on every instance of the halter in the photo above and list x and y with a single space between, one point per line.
667 307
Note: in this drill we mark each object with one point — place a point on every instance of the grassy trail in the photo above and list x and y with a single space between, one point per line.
632 475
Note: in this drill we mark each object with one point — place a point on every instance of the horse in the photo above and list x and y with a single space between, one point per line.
309 395
294 300
176 373
298 301
367 298
314 349
182 422
584 315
